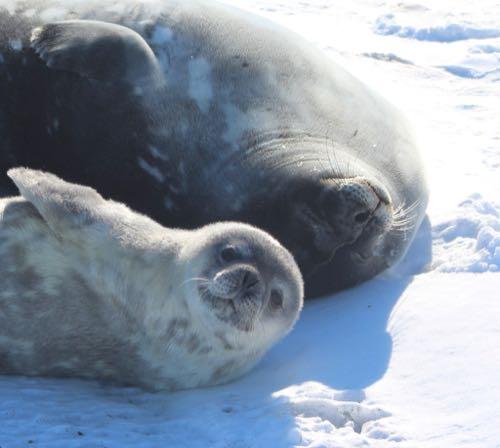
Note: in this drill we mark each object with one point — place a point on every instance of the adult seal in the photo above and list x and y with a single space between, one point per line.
91 289
195 112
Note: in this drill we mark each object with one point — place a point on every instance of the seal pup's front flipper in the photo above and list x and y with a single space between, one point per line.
81 215
97 50
63 206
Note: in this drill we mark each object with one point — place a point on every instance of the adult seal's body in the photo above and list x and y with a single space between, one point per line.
90 289
194 112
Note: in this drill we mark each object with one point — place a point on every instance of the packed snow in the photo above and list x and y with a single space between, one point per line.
409 359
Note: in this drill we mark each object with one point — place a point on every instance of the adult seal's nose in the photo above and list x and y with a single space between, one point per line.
350 203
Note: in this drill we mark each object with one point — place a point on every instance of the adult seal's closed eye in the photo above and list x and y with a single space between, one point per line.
90 289
195 112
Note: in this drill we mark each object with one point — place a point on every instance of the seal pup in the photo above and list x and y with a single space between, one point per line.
91 289
209 113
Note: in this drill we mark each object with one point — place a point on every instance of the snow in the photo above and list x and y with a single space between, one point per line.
450 32
410 359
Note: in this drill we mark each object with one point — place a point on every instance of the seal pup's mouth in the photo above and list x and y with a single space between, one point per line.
236 295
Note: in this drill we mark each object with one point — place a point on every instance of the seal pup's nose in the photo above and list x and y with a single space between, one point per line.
249 280
235 281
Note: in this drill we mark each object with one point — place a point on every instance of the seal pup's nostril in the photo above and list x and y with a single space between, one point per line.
249 280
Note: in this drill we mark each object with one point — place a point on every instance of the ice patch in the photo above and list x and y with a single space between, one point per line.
469 242
387 25
200 83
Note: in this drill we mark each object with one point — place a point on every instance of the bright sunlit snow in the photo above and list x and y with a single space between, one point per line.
410 359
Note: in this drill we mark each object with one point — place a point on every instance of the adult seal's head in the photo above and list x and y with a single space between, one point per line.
119 297
343 219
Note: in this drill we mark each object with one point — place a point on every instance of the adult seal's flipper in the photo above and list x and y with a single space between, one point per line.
96 50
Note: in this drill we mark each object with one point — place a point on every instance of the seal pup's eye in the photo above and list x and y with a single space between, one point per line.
276 299
229 253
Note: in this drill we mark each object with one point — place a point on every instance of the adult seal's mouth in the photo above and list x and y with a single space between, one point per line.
333 213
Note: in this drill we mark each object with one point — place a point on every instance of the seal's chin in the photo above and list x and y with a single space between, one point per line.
235 296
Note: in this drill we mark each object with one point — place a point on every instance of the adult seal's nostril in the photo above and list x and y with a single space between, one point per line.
362 217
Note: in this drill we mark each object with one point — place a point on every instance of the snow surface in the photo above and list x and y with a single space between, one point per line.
410 359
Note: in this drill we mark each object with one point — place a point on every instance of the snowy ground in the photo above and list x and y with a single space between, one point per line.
411 359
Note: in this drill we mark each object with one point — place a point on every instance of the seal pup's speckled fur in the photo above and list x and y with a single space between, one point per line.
91 289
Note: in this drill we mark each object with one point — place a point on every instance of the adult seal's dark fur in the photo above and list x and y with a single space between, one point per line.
194 112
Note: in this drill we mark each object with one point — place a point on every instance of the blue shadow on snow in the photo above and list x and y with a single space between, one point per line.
342 341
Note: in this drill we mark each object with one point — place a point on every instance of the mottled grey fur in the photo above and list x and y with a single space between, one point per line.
90 289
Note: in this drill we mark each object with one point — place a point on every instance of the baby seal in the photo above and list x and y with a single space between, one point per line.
91 289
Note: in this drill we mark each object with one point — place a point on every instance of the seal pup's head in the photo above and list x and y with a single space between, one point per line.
244 279
196 307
